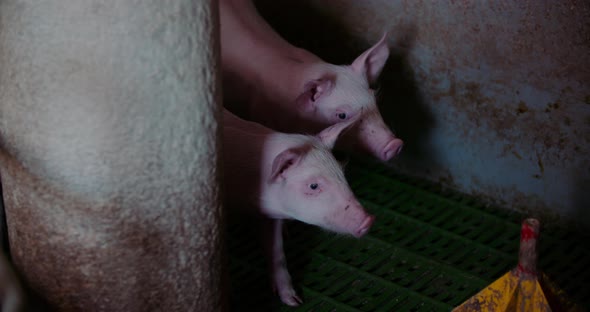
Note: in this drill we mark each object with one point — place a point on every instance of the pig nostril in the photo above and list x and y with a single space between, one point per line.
392 149
388 155
365 226
347 206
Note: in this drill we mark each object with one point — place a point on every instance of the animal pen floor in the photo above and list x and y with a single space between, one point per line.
429 249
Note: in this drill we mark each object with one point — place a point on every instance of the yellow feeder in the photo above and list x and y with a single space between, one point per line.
520 289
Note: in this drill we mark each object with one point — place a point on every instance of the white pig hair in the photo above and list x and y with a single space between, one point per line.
319 156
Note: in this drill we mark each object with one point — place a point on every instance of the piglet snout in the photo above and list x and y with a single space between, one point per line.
365 226
392 149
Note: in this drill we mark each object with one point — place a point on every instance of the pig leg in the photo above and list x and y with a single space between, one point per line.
11 294
281 280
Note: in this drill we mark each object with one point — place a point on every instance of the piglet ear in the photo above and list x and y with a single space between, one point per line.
282 162
371 62
313 90
330 135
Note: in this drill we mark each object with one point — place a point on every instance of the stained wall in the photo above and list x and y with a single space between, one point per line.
491 97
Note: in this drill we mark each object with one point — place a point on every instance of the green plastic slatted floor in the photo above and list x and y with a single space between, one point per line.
428 250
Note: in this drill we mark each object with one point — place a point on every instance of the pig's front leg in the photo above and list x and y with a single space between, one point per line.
281 280
11 293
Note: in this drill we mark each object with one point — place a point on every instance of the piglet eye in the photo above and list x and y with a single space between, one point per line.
313 186
342 116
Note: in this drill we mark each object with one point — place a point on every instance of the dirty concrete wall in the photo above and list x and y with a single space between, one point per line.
492 98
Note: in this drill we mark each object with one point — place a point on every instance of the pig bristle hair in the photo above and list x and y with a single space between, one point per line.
344 163
324 155
321 155
378 93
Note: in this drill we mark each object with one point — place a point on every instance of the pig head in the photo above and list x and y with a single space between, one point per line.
289 89
289 176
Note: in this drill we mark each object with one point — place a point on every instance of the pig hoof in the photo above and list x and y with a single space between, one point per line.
285 290
289 297
283 286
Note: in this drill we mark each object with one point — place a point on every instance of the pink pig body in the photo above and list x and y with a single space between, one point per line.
288 176
286 88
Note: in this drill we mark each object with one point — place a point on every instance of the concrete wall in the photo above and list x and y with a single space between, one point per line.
491 97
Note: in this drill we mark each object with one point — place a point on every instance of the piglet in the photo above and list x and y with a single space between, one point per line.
288 89
288 176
